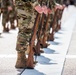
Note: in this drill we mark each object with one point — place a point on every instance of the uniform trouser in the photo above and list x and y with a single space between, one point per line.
5 17
9 16
23 40
12 16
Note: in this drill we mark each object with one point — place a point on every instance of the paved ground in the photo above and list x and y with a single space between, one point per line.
70 62
51 62
8 53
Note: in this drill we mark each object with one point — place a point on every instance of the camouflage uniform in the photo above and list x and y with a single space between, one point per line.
13 16
4 10
66 2
25 24
26 18
75 2
51 6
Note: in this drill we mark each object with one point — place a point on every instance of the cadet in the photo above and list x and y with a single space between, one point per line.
26 19
13 15
6 6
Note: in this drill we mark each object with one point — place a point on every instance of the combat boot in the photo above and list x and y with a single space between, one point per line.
5 29
41 51
50 37
21 60
13 26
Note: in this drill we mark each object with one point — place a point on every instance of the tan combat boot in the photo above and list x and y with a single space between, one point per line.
21 60
5 29
13 26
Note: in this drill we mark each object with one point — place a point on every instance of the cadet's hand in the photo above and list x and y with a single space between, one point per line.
9 8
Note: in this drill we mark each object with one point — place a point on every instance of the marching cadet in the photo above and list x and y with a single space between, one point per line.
75 2
6 6
13 15
26 19
66 2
